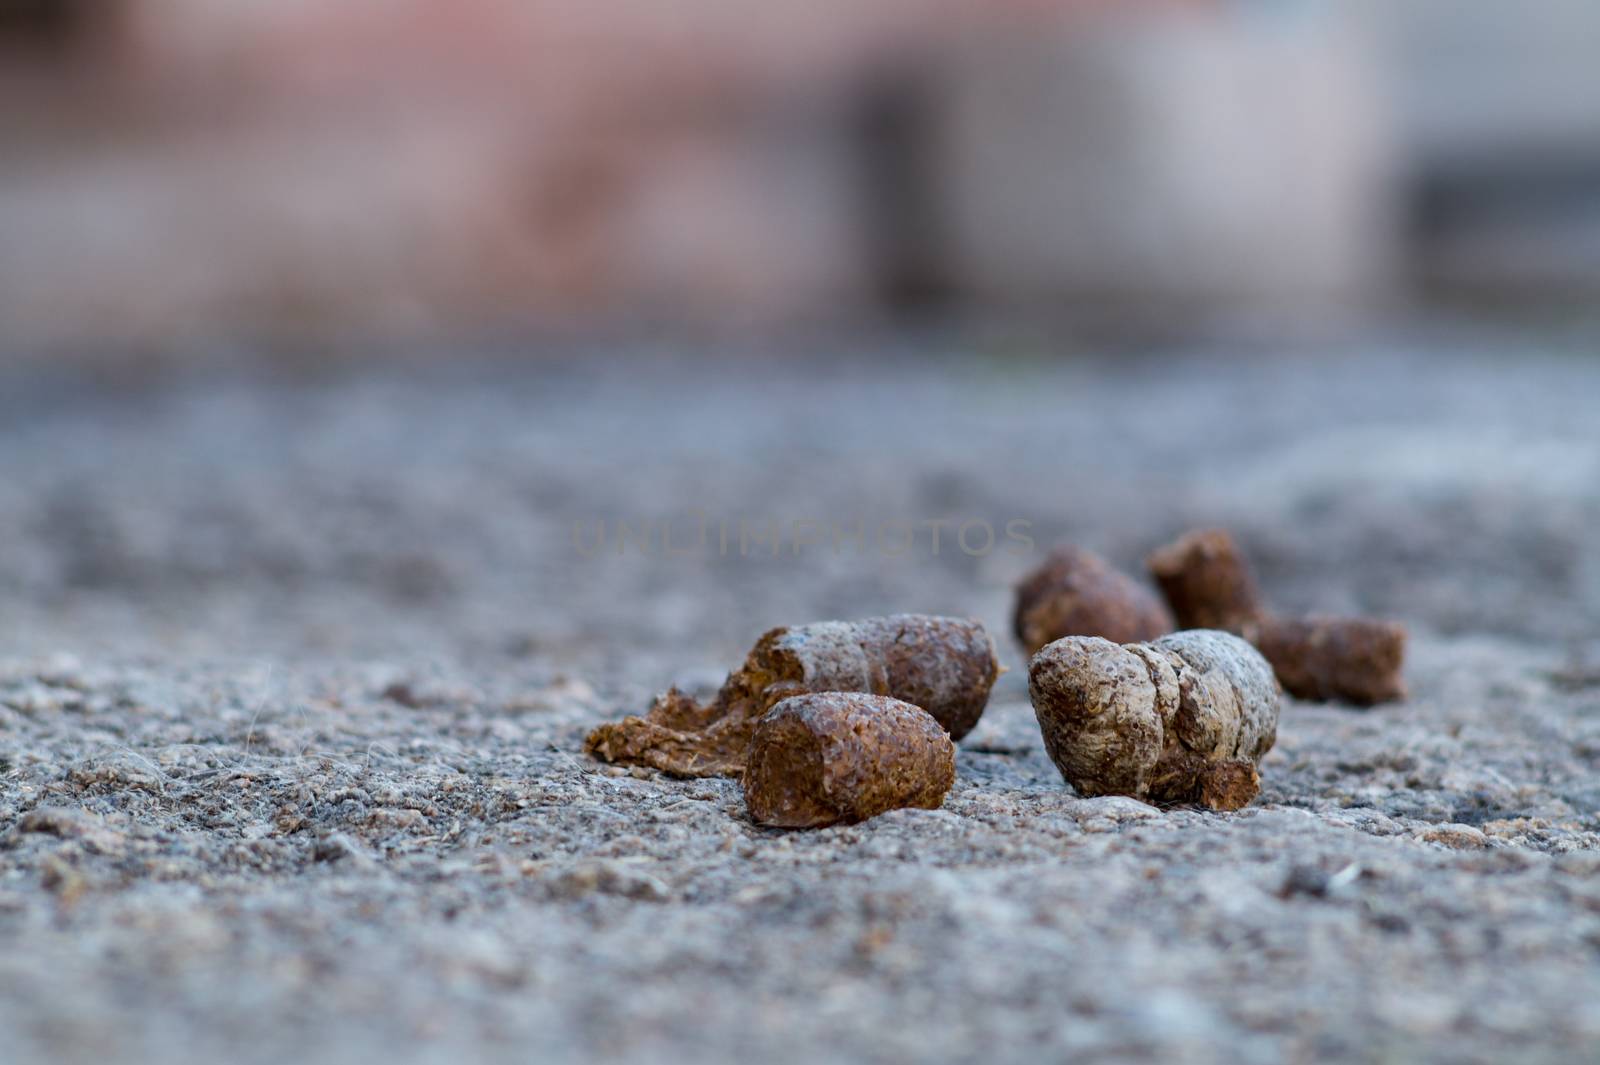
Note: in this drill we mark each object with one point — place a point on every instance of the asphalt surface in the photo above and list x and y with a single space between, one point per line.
294 672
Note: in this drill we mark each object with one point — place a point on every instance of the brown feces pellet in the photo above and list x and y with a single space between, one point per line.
1354 659
836 757
1208 584
1182 719
944 665
1077 593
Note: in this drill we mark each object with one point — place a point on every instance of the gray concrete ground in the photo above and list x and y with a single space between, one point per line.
294 674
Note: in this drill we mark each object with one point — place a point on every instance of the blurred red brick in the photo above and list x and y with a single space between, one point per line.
402 164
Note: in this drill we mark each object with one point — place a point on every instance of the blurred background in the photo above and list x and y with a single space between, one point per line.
178 171
1066 262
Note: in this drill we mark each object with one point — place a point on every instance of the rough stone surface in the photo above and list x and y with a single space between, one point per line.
294 678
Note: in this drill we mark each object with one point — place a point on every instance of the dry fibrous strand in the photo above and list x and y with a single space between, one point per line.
1075 592
1208 584
1184 719
836 757
1355 659
944 665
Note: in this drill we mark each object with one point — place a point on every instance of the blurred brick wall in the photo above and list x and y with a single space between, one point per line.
195 168
395 164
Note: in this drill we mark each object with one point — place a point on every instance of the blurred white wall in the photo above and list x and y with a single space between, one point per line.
1476 79
1204 159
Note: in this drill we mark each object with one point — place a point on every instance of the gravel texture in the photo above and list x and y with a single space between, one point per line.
294 675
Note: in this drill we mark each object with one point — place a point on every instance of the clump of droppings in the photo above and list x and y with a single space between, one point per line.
1357 660
836 757
1184 719
944 665
1208 583
1075 592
